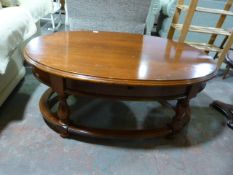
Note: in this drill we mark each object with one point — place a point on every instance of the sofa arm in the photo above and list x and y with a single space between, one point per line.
37 8
15 28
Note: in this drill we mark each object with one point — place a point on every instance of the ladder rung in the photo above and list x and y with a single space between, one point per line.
204 46
206 10
201 29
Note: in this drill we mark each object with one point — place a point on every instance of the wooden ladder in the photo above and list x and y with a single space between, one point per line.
214 31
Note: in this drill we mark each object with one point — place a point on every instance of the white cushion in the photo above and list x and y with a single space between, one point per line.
15 28
37 8
14 73
9 3
12 69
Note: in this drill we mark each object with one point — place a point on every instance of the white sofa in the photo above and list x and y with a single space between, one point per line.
18 25
14 31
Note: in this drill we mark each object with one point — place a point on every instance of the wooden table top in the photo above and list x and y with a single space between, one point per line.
119 58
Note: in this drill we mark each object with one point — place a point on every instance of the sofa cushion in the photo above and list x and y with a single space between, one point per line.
5 3
15 71
37 8
17 27
13 67
8 3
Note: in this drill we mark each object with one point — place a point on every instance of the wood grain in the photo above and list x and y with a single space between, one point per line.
119 58
119 66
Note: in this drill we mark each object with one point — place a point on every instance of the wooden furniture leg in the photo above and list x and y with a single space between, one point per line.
61 124
63 114
226 72
226 109
182 116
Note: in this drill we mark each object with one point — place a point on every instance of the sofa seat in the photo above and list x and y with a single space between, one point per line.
14 72
15 30
37 8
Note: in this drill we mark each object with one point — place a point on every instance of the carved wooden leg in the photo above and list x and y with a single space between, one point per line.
182 116
63 114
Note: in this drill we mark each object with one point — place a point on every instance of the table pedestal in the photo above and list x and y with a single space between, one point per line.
61 124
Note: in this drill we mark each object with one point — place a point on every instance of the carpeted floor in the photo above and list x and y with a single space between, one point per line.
29 147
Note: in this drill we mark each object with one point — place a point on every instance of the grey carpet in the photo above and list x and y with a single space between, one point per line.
28 146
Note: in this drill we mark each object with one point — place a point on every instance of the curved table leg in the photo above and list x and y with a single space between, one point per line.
63 113
226 109
60 122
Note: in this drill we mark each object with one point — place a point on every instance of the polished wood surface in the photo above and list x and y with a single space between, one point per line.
119 58
119 66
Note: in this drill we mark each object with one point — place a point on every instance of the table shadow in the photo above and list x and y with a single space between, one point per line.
205 125
11 109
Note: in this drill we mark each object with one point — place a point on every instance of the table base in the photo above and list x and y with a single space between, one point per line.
226 109
66 129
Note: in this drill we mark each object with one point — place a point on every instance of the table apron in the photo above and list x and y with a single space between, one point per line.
76 87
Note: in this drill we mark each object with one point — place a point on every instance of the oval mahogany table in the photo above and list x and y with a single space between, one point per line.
120 66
